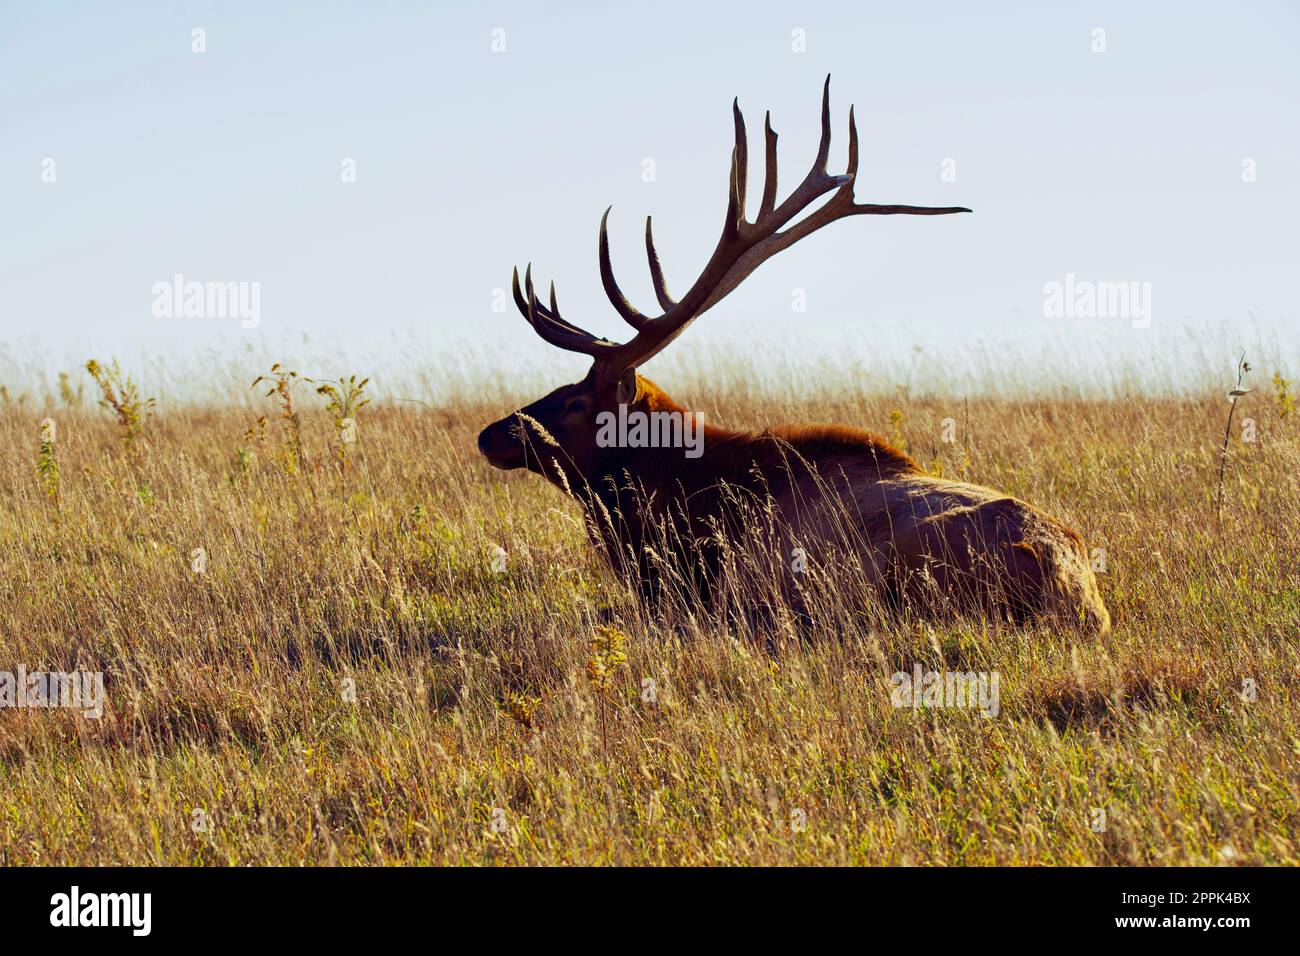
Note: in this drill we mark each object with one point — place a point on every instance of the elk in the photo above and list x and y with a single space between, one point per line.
919 540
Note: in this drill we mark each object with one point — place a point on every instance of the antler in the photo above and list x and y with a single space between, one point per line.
742 248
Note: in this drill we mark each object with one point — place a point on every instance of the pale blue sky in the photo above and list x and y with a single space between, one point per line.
1122 165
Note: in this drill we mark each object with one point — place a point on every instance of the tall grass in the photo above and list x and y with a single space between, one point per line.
354 677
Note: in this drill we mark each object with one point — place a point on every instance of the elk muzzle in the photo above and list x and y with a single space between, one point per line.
501 443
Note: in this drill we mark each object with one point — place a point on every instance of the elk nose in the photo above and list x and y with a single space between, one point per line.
483 440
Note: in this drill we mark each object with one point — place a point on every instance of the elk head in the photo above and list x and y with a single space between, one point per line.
567 415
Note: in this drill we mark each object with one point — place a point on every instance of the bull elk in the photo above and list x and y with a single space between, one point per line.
919 540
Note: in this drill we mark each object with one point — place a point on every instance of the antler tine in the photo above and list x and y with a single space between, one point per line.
666 301
520 303
871 209
555 309
852 170
769 171
616 297
739 172
824 147
532 298
533 316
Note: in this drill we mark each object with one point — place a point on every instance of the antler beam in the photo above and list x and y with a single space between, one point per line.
742 248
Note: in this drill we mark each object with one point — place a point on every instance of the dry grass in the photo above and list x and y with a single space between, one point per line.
229 690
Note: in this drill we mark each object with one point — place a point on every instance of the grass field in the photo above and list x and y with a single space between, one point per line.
348 679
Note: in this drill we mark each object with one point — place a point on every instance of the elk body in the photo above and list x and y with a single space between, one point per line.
825 492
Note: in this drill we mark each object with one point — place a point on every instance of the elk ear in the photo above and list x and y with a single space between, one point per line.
627 387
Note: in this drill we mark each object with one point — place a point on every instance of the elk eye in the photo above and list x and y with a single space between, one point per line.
575 406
